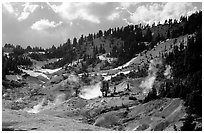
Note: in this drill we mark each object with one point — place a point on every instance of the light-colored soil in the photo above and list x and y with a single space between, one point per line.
19 120
115 112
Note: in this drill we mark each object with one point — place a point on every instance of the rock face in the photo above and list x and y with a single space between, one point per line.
158 114
107 120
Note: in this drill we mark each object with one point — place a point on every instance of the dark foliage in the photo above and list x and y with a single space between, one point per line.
37 56
188 124
152 95
11 62
187 74
186 62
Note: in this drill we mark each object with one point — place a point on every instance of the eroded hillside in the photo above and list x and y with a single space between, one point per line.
153 85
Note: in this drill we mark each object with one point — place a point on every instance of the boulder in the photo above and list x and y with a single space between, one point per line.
107 120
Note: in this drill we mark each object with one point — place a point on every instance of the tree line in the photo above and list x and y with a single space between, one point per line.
133 37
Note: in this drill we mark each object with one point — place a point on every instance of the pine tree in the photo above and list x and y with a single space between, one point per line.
168 34
148 35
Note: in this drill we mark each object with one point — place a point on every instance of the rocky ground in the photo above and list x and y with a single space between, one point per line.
23 121
47 101
59 111
100 114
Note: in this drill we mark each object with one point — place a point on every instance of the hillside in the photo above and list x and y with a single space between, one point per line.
154 76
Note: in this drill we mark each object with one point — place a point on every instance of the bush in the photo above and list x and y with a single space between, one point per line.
152 95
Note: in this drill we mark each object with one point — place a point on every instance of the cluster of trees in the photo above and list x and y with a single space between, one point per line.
132 35
186 62
27 49
140 73
186 81
37 56
11 62
34 49
118 78
187 73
